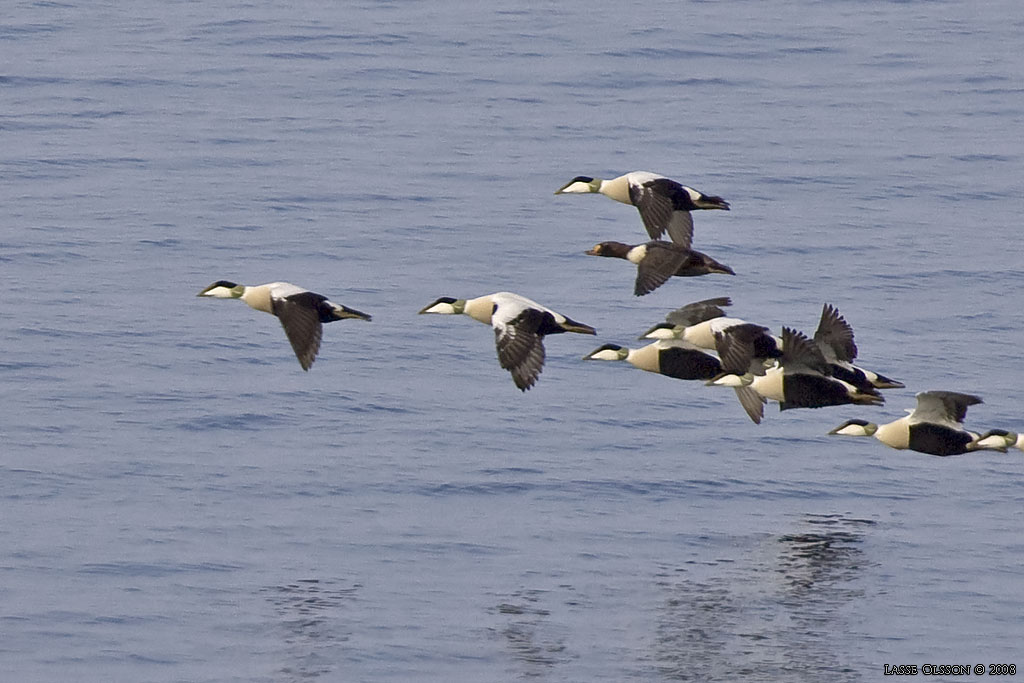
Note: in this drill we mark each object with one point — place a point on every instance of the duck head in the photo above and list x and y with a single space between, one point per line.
581 184
223 289
855 428
445 305
662 331
608 352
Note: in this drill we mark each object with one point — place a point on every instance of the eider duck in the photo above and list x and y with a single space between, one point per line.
744 348
519 329
670 357
664 204
687 316
705 325
657 261
934 427
678 359
800 379
301 312
834 337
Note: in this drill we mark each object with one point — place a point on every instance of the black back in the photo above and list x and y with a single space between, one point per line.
688 364
812 391
853 375
315 302
934 439
669 188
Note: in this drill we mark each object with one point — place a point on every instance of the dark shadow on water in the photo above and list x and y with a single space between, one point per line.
533 641
777 615
310 613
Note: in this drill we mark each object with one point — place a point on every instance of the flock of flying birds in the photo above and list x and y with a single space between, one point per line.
794 370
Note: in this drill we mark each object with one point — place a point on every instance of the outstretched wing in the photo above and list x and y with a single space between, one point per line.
942 406
660 203
698 311
835 333
799 352
660 262
740 345
752 402
521 345
301 322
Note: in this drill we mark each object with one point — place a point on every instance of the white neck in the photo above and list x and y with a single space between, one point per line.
480 308
258 298
616 188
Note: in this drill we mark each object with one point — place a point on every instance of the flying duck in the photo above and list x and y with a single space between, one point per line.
800 379
935 427
688 316
657 261
743 347
519 329
834 337
301 312
670 357
664 204
678 359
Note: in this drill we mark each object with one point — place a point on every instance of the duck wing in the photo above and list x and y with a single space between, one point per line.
752 403
660 262
942 406
660 203
836 334
801 354
521 344
698 311
300 318
742 348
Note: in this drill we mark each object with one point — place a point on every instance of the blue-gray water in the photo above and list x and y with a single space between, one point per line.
181 502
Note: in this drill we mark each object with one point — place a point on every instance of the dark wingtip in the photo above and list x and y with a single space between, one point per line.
524 386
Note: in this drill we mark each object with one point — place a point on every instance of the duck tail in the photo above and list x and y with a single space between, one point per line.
716 267
339 312
883 382
711 202
864 399
572 326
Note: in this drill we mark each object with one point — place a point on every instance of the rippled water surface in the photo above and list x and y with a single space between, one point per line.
182 503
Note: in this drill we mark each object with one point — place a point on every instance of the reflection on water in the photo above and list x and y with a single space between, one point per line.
309 612
776 615
530 637
818 565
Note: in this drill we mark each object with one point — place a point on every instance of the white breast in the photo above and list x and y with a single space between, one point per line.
770 385
637 253
895 434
